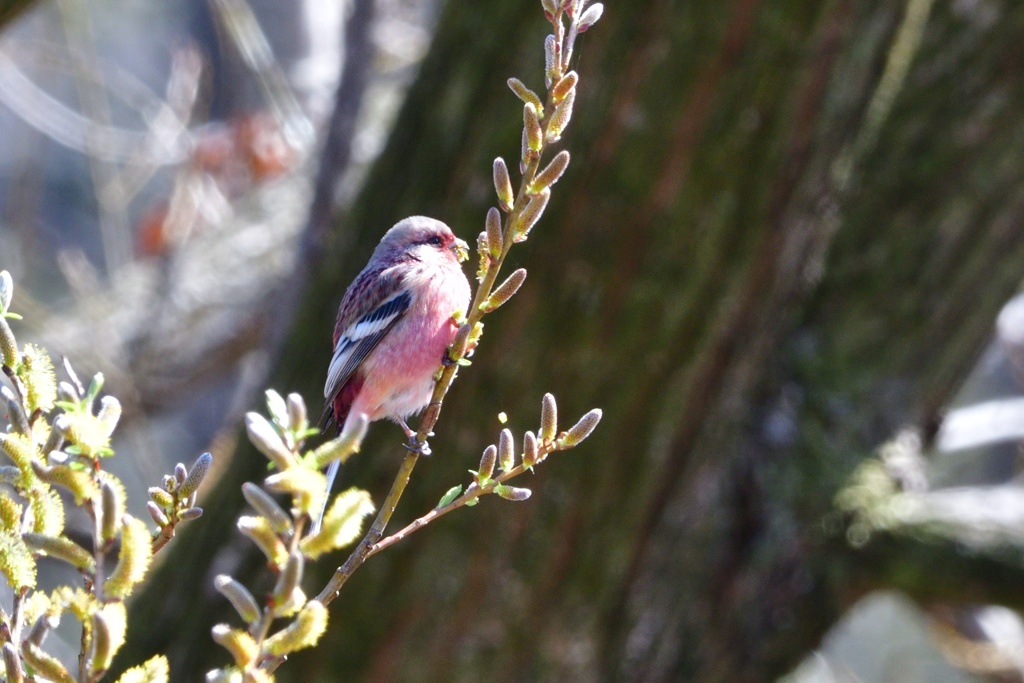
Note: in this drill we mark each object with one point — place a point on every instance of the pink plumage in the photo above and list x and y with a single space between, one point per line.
395 324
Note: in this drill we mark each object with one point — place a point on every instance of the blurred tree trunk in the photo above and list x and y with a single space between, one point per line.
785 234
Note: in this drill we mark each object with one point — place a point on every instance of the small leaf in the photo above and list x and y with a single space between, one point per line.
450 495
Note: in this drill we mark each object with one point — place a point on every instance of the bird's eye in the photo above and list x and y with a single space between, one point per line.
435 240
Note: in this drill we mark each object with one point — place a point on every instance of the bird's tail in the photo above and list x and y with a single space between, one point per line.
332 472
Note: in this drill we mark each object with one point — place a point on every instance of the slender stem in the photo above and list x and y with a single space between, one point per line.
471 494
375 533
371 542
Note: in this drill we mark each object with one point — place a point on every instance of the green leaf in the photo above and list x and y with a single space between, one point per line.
450 495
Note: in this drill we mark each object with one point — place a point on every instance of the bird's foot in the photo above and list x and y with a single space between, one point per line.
416 446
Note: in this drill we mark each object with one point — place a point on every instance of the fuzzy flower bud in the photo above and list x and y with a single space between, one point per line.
495 240
531 214
551 173
288 580
133 563
16 416
529 449
534 135
581 430
304 632
564 86
157 514
505 291
267 507
241 645
548 418
560 118
487 460
62 549
503 183
590 17
506 450
239 597
552 60
195 475
525 94
266 439
297 415
259 532
45 665
513 493
12 662
112 506
8 345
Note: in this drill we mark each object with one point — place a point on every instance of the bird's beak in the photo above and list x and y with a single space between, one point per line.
460 249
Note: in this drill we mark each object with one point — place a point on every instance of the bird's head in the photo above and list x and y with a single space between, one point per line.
422 239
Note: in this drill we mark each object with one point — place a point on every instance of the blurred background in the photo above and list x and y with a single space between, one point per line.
783 262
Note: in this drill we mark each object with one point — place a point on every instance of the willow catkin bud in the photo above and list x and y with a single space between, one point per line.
8 345
461 342
344 446
81 485
529 449
157 514
112 507
267 507
564 85
550 6
180 473
548 418
487 460
277 408
513 493
161 497
12 662
581 430
239 597
267 441
16 416
288 580
6 291
62 549
304 632
534 135
54 441
551 173
133 562
505 291
102 643
560 118
525 94
531 214
503 183
189 514
45 665
552 61
506 450
109 414
307 487
259 532
196 475
590 17
242 646
297 414
495 240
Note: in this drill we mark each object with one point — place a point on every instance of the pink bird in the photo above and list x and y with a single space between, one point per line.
394 327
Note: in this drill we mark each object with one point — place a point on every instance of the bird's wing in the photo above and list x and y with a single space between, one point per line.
359 337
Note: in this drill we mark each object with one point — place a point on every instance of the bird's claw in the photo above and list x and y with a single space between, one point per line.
416 446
